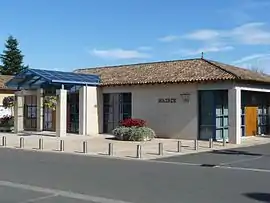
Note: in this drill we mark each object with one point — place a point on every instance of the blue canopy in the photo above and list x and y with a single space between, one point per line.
35 78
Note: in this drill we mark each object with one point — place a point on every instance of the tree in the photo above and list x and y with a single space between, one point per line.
12 58
257 69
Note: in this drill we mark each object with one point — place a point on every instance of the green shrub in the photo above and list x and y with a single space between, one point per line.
133 133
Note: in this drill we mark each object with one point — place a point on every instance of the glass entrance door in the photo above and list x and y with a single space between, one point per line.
49 119
213 114
116 107
73 113
30 112
222 115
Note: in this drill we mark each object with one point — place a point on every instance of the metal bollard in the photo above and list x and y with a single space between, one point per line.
4 141
21 142
179 146
196 144
110 150
139 151
160 149
224 141
62 147
211 142
84 146
40 143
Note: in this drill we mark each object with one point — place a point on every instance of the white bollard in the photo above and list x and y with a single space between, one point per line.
84 147
40 143
110 150
21 142
4 141
139 151
62 146
179 146
160 149
196 144
210 142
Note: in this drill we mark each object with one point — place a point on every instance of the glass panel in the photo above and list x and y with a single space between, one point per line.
260 111
219 134
207 108
106 98
226 111
219 122
127 109
242 120
127 97
226 133
110 127
243 131
225 121
218 110
259 130
260 120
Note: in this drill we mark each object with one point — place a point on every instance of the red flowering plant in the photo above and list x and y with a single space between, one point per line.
133 129
133 122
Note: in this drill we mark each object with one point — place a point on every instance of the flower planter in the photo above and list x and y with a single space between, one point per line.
6 128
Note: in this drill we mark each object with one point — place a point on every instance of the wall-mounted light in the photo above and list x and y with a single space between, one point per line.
185 97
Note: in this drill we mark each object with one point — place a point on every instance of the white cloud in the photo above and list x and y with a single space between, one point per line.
209 49
252 58
243 11
255 33
260 61
119 54
145 48
169 38
203 35
250 34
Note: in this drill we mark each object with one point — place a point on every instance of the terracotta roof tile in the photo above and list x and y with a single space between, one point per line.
191 70
4 79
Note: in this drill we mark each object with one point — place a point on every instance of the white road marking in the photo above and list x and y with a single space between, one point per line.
39 198
62 193
239 161
244 169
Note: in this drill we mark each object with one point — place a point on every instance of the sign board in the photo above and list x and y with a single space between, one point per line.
167 100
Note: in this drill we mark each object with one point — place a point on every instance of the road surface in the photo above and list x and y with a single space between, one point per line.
240 175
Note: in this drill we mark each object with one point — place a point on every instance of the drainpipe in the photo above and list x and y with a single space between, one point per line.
86 110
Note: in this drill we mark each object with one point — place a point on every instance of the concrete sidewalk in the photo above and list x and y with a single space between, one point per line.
98 145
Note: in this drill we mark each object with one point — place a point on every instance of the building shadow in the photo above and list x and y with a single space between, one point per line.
235 152
261 197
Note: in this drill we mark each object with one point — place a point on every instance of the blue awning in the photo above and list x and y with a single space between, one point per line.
35 78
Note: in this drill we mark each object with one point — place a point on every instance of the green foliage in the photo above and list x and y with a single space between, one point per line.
133 133
12 58
7 121
50 102
8 101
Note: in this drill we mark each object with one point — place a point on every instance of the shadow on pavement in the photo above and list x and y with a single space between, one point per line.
262 197
235 152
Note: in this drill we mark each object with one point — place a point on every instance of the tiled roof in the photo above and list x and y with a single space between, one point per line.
191 70
4 79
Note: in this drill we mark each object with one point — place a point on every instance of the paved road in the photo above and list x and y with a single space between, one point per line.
240 176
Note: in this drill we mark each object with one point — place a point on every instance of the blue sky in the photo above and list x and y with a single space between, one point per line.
70 34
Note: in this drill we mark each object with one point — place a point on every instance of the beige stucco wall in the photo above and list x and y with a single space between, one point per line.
171 120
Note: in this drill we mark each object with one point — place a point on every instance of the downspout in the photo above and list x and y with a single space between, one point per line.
86 124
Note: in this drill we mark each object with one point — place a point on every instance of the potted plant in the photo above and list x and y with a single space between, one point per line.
133 130
7 123
50 102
